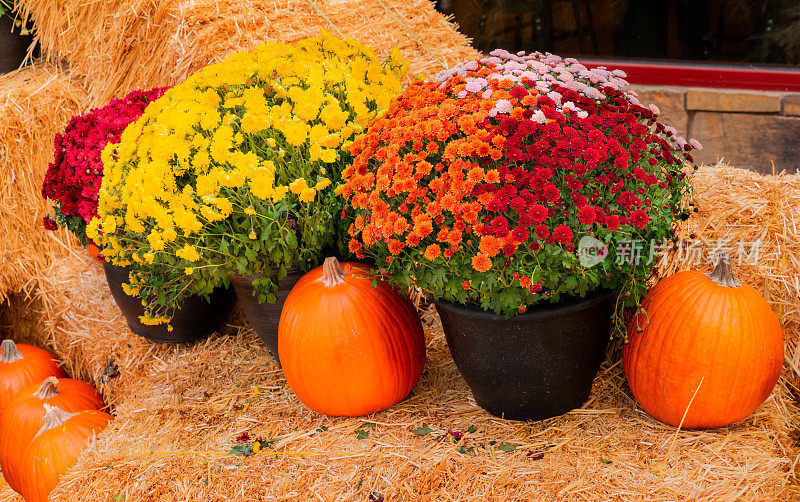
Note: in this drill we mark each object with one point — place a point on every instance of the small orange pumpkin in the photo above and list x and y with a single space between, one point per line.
22 366
705 351
55 448
24 416
348 347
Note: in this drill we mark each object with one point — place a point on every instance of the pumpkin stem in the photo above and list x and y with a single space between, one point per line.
9 352
723 271
54 417
332 272
48 389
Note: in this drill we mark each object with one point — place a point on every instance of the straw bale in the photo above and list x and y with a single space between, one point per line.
737 206
161 42
178 409
36 102
9 495
175 427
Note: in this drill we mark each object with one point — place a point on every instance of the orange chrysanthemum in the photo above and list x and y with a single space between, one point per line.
481 262
432 251
492 176
395 246
475 175
489 245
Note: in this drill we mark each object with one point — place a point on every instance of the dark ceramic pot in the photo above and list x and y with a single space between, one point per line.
196 319
264 317
532 366
13 46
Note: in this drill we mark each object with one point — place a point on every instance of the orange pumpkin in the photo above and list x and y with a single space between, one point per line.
348 347
705 351
55 448
22 366
24 416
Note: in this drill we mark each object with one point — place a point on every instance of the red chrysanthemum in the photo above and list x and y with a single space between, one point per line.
639 218
562 234
586 215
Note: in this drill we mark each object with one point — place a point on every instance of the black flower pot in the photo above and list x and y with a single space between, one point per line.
264 317
13 45
196 319
532 366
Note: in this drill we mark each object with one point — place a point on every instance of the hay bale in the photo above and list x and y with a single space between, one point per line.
160 42
739 206
35 104
179 407
174 430
9 495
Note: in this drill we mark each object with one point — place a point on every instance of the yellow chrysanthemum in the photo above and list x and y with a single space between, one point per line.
297 186
188 253
307 195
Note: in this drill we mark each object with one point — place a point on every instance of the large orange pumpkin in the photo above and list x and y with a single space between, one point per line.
22 366
55 449
348 347
24 416
705 351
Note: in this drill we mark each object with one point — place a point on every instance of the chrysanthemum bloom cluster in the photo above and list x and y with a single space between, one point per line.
479 186
230 172
73 178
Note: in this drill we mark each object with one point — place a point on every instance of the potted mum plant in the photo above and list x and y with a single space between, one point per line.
488 186
15 37
72 182
229 178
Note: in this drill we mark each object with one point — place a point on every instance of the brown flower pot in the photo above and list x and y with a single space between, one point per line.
196 319
13 46
264 317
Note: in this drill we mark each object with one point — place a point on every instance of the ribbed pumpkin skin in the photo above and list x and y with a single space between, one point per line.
24 416
54 451
728 337
36 365
350 349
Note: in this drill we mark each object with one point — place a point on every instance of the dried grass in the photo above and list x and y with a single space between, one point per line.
35 104
179 408
175 427
161 42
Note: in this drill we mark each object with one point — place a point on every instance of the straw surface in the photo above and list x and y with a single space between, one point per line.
161 42
35 104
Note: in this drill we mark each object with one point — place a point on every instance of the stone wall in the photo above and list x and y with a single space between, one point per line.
750 129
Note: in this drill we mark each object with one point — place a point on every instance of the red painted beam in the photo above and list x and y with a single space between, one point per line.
704 75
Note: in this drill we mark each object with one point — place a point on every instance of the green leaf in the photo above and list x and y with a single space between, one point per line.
471 429
508 447
422 431
242 449
605 461
362 434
